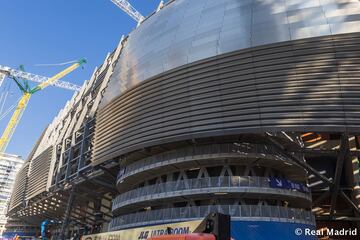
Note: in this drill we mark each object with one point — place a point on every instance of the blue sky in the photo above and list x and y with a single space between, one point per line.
43 31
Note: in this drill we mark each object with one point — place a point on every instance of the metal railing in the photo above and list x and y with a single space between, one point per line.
244 212
219 184
181 155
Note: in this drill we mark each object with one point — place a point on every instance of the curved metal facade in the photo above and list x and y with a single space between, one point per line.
186 31
302 85
211 69
182 106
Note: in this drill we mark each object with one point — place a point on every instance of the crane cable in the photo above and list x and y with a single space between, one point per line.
3 103
1 97
4 97
54 64
2 94
6 91
9 110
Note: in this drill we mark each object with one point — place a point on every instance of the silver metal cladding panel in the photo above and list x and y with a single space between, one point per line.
186 31
302 85
38 174
19 189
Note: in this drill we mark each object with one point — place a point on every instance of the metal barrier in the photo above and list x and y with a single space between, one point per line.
244 212
229 184
180 155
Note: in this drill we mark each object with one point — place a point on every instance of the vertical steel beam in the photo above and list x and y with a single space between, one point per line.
63 232
342 156
68 167
81 163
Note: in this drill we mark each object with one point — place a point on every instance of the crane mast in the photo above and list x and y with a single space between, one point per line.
130 10
7 71
14 120
21 106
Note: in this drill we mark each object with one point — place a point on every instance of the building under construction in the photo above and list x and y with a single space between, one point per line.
244 107
9 165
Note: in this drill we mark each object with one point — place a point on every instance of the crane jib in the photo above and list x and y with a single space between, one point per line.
7 71
23 102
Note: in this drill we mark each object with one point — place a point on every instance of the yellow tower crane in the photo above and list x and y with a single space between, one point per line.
21 106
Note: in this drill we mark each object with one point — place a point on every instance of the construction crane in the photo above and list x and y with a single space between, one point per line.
27 93
7 71
2 77
130 10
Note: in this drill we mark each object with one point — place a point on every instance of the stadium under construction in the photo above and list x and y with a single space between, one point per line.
245 107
